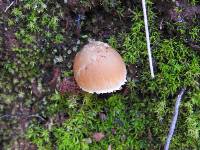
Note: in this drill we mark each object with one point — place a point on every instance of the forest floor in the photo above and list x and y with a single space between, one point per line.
38 42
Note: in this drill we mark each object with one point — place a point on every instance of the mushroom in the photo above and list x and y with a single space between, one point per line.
98 68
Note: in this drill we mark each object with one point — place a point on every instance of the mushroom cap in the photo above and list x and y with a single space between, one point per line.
98 68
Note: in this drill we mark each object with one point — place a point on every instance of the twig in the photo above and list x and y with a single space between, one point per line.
9 6
37 116
147 37
11 116
174 120
22 115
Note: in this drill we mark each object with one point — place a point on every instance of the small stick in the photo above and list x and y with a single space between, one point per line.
10 116
16 116
147 37
37 116
174 120
9 6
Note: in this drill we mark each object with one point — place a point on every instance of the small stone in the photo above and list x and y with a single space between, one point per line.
58 59
87 140
69 52
78 42
74 49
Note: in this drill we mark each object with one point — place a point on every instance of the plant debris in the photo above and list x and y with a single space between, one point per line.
98 136
68 85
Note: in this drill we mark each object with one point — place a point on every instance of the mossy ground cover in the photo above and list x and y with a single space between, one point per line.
38 42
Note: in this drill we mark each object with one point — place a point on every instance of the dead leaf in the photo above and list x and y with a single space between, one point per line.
68 85
35 90
56 73
102 116
98 136
113 131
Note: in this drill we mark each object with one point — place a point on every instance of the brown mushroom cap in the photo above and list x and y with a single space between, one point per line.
98 68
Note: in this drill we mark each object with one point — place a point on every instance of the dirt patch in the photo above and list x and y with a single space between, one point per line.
2 6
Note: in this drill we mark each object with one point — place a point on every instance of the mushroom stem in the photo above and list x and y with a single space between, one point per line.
147 37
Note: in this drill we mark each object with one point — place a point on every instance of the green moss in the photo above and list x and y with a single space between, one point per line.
136 121
40 136
82 124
